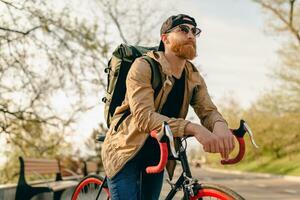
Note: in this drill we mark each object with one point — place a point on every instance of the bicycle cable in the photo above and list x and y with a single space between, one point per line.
184 139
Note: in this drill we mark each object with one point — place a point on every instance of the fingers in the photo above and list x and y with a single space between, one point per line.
214 147
233 142
221 149
216 143
231 145
211 145
226 148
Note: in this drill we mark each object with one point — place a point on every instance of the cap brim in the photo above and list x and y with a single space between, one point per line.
161 46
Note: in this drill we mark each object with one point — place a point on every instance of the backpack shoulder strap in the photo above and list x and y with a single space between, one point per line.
155 81
155 74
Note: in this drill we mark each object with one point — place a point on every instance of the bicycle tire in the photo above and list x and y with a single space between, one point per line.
88 188
216 191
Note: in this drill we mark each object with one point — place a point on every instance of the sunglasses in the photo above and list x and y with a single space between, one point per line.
186 29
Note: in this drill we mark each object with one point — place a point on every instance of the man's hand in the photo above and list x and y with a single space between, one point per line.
209 141
225 138
220 141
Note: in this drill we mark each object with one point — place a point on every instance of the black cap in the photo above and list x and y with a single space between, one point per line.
172 22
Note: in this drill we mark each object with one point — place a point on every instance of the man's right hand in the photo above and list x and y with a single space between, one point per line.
209 140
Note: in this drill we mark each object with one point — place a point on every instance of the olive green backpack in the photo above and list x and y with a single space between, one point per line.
117 70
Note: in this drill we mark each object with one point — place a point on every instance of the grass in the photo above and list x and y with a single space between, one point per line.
289 165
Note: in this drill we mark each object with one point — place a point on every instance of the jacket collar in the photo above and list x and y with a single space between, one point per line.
159 56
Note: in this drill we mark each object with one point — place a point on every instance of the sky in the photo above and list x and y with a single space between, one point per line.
234 53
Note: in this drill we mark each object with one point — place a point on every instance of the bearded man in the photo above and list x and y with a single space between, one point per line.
128 149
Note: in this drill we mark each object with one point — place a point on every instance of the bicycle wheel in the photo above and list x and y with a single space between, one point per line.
211 191
88 188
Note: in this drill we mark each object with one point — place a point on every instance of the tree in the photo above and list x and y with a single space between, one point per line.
69 63
48 54
135 21
280 107
285 19
31 141
44 55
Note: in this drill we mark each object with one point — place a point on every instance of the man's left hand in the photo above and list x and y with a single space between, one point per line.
226 139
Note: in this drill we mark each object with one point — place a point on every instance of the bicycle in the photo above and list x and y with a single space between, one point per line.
95 186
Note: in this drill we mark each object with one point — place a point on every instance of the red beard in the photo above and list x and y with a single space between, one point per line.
185 50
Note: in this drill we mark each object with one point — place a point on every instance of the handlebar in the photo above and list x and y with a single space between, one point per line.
239 134
163 146
165 140
240 154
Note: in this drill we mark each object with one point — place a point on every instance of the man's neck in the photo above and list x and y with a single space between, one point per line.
176 63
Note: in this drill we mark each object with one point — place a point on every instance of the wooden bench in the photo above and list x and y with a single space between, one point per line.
90 167
76 174
40 167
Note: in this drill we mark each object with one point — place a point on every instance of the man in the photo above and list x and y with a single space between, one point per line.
128 149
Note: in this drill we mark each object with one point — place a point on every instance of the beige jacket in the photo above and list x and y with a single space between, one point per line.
122 144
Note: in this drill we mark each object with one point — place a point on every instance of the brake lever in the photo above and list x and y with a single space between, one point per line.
169 134
250 133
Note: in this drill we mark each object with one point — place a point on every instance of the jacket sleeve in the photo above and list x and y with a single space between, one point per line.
141 101
204 107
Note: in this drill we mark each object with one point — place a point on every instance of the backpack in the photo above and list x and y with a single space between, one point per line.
117 70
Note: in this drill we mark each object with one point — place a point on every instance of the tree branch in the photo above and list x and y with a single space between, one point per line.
115 20
289 22
9 4
291 11
20 32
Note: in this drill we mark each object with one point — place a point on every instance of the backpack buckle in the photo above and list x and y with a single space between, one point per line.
104 99
107 69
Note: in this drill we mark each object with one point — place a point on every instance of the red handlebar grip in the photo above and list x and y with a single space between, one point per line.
239 156
163 157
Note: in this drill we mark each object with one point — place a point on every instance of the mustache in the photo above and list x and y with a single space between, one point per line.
189 42
193 43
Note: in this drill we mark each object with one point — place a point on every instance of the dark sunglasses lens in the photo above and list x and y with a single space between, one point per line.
185 29
196 31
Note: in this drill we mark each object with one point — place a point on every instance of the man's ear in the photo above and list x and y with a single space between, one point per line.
164 38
